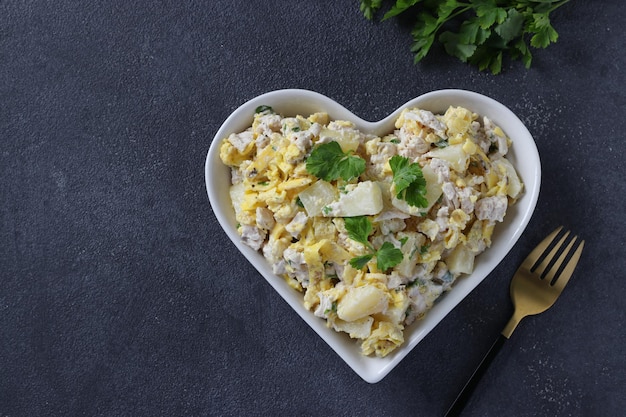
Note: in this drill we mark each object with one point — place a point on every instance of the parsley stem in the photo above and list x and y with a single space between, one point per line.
453 15
557 5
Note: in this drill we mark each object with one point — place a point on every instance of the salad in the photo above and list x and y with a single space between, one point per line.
372 230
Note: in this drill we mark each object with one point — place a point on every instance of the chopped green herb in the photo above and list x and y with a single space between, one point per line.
447 277
415 283
263 109
441 143
403 241
333 308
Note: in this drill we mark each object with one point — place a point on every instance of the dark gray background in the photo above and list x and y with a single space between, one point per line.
120 294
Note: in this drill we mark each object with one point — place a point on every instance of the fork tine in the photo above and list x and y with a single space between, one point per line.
568 271
532 258
540 269
551 274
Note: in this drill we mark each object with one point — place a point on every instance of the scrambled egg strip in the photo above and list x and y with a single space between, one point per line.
296 219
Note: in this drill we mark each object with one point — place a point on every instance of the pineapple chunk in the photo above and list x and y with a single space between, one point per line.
461 260
347 139
316 197
454 154
362 199
361 302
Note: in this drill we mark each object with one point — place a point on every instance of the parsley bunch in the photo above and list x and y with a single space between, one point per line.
359 229
479 32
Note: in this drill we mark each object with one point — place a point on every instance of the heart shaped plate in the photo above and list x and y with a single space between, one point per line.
523 154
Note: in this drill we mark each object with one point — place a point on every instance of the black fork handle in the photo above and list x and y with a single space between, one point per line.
470 386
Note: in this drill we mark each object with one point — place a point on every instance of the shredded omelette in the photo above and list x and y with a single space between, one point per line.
298 221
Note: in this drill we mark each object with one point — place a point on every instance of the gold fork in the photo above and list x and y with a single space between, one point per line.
536 285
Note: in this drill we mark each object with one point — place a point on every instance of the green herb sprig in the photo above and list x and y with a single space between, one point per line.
359 229
328 162
409 181
480 32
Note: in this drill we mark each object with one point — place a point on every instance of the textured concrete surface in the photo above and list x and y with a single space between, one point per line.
119 293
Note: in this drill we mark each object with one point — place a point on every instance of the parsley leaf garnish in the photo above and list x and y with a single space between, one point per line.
359 229
388 256
479 32
409 181
328 162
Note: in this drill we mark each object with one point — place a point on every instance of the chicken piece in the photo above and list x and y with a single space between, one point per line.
241 140
491 208
253 236
265 218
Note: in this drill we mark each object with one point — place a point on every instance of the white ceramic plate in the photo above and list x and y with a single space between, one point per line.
523 155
